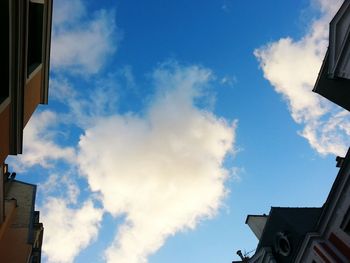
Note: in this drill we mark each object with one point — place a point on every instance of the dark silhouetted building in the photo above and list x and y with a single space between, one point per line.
334 78
25 54
307 234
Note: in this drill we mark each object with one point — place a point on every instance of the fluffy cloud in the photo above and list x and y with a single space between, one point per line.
39 146
68 230
164 169
85 107
81 44
61 185
292 66
67 11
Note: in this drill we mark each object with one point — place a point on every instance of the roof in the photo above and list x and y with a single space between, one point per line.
334 89
293 223
334 77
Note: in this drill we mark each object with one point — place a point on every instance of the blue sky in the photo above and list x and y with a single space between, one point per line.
169 121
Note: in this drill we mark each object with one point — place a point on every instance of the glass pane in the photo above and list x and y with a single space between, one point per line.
4 50
35 36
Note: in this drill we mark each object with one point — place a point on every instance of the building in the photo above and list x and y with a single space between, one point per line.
284 228
25 67
307 234
25 54
21 232
331 240
315 235
334 78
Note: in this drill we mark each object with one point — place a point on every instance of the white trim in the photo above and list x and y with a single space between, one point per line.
37 1
306 246
5 103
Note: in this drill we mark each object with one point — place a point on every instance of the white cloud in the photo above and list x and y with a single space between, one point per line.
163 170
81 44
66 12
236 173
229 81
61 184
38 143
83 108
68 230
292 66
128 75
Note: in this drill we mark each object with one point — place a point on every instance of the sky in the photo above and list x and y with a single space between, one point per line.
170 121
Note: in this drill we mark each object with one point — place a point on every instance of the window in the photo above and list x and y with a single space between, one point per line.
4 50
35 35
282 245
345 225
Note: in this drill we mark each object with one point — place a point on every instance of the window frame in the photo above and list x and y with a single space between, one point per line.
6 94
345 224
33 68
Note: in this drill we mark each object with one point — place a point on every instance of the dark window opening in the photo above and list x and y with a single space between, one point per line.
347 228
5 50
35 36
282 244
345 225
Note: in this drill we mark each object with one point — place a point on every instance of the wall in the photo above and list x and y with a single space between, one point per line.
5 132
32 94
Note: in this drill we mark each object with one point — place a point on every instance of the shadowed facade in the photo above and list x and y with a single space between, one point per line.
25 55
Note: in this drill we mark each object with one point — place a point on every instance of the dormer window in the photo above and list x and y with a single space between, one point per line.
35 35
